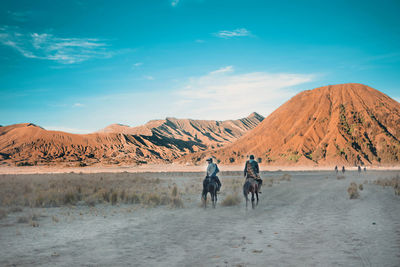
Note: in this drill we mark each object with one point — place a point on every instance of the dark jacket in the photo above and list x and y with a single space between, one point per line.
251 169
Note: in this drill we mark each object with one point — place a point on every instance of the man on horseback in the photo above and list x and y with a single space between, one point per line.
251 170
212 170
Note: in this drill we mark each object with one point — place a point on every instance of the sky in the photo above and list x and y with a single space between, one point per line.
78 65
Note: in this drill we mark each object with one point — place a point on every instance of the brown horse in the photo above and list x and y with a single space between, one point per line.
250 186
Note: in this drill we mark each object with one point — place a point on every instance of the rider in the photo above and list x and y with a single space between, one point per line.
212 170
251 170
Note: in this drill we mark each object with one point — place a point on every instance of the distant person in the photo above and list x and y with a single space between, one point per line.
336 169
251 170
211 175
343 170
365 169
359 169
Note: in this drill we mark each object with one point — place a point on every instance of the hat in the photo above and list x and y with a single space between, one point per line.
251 156
209 159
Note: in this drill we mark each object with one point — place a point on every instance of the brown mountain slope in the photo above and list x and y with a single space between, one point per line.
208 132
157 141
338 124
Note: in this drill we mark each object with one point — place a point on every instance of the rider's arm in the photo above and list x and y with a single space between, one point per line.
257 168
216 170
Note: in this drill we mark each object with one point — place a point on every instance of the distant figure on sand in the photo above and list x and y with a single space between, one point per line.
343 170
336 169
359 169
212 170
365 169
251 170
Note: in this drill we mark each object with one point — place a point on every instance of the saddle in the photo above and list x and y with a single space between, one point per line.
251 180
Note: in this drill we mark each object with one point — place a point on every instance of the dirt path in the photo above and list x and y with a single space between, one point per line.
309 221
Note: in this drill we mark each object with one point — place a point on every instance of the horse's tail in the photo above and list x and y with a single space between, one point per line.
246 188
212 187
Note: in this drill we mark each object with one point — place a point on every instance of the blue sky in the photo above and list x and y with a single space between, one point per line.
80 65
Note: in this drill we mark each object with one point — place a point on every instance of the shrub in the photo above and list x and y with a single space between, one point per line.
361 187
176 202
55 219
24 163
82 164
3 214
23 219
15 209
174 192
353 191
392 182
286 177
231 200
114 198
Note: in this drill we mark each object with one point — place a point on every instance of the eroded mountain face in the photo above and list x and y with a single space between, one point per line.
338 124
155 142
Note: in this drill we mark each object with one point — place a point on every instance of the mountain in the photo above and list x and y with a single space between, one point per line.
208 132
338 124
156 142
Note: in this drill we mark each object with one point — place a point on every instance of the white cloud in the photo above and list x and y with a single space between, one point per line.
49 47
223 70
222 94
174 3
138 64
67 129
19 16
217 95
148 77
235 33
78 105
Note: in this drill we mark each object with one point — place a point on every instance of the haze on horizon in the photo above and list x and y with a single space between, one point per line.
79 66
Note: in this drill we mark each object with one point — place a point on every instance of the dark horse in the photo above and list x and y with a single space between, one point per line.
250 186
210 187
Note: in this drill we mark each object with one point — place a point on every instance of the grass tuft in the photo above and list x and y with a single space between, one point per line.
352 190
231 200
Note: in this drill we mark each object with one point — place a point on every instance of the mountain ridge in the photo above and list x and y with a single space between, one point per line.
29 144
337 124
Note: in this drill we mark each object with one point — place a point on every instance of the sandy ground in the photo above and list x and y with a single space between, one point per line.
308 221
173 167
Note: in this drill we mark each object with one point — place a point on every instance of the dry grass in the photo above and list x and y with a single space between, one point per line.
361 187
72 189
353 191
340 177
30 219
285 177
231 200
55 219
3 214
390 182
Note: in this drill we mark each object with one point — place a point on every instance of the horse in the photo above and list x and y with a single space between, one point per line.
250 186
211 187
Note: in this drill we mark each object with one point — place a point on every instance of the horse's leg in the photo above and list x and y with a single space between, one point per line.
257 196
205 200
215 198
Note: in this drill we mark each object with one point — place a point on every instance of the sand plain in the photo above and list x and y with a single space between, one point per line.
305 219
